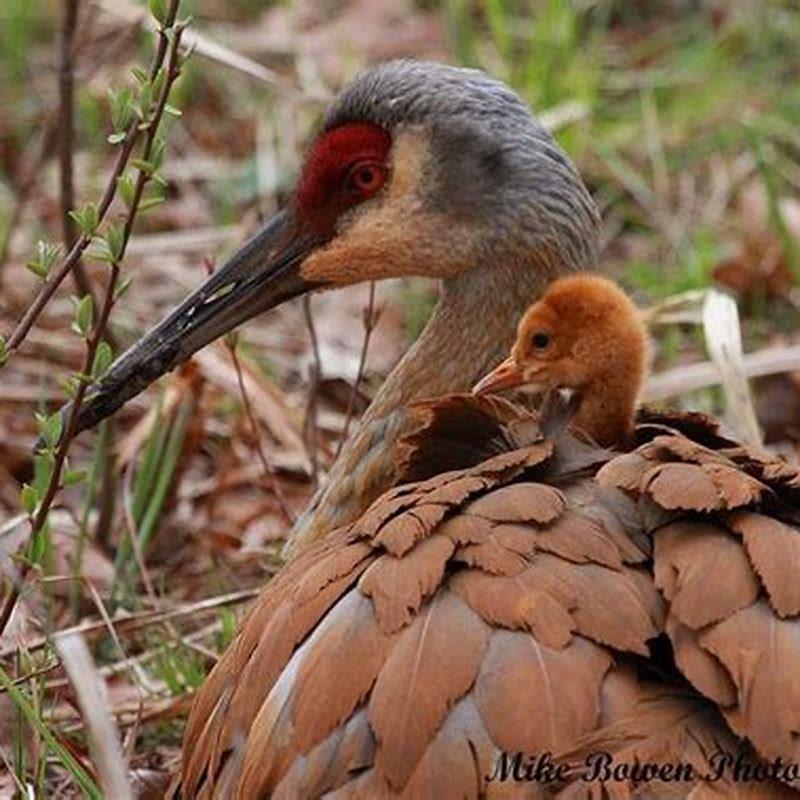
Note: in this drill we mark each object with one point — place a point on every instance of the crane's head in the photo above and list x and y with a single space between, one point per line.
583 334
419 169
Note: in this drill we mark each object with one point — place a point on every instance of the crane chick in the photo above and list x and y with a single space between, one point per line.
586 335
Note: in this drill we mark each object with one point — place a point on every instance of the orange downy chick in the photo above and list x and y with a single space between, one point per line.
586 335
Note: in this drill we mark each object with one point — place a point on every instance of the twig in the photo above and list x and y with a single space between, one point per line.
68 263
370 320
269 470
315 374
66 141
133 535
97 333
144 619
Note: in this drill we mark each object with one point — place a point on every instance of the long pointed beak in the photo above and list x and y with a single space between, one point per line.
262 274
507 375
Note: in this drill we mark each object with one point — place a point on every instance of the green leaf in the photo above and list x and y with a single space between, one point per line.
172 111
122 109
37 269
100 252
157 152
38 547
69 386
102 358
159 82
116 138
84 315
158 8
122 287
72 477
115 237
140 75
150 202
29 498
50 428
127 188
87 218
142 165
145 100
46 253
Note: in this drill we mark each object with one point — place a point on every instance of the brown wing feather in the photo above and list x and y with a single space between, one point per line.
522 602
774 550
762 655
534 698
617 608
581 539
432 665
690 554
398 586
519 502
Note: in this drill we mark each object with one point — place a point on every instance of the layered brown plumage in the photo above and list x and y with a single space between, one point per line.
527 591
509 606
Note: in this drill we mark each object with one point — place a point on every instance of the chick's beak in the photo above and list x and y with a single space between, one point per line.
507 375
262 274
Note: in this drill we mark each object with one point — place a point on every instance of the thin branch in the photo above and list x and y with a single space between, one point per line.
66 142
269 470
370 320
74 253
98 332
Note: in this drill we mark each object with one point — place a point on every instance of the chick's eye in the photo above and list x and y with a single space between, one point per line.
366 179
540 340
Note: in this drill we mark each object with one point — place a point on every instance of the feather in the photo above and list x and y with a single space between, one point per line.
762 655
367 785
688 555
534 698
774 550
347 750
399 534
398 586
432 664
580 539
349 634
736 487
616 513
463 528
519 502
279 638
683 487
617 608
491 556
624 472
327 569
456 491
520 603
703 670
457 760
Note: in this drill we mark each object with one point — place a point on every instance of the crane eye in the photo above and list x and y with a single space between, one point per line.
366 179
540 340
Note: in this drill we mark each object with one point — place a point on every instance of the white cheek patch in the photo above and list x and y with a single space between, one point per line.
395 235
